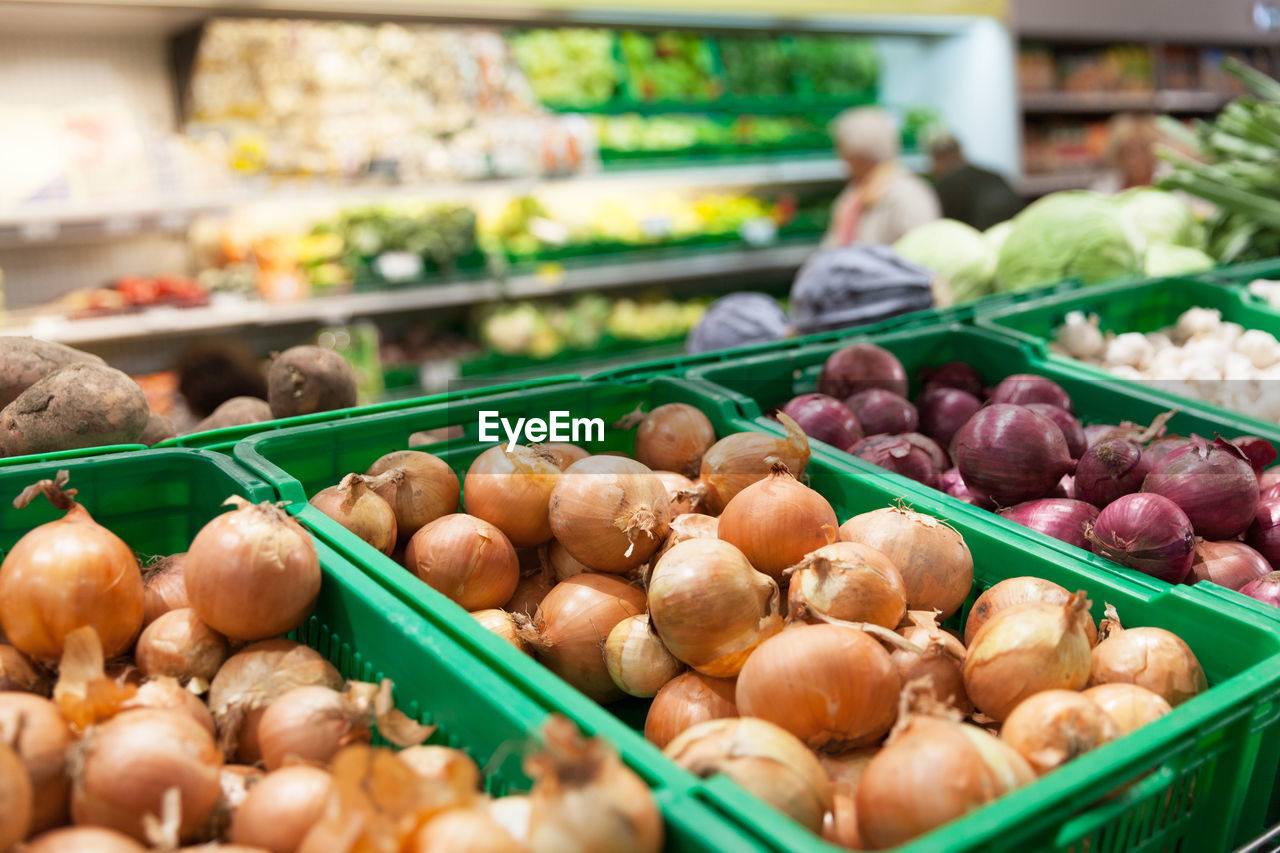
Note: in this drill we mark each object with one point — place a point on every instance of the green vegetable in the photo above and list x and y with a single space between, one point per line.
955 251
997 234
1157 217
568 67
1074 233
1163 260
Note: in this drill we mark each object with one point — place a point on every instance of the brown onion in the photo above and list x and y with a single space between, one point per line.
933 559
1230 564
571 627
766 760
833 687
562 453
15 796
33 726
65 574
534 584
179 645
941 662
961 766
637 660
690 525
1025 649
685 701
281 809
1011 592
466 559
163 587
673 437
1130 707
252 573
777 521
840 826
133 759
610 513
309 725
450 767
510 489
1153 658
419 486
462 830
354 505
84 839
503 624
17 673
682 490
563 564
850 582
512 813
710 607
736 461
1052 727
167 693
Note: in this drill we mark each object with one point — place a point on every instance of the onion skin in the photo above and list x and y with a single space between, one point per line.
1129 706
1148 533
1011 454
360 510
281 809
953 374
532 587
1265 589
1054 726
424 489
466 559
673 437
503 624
510 489
825 419
850 582
1152 658
777 521
165 693
1062 518
833 687
1011 592
1233 565
1258 451
1269 478
180 646
685 701
940 458
309 725
1108 470
944 410
442 764
942 663
1024 649
767 761
859 367
1023 388
163 587
636 659
1263 534
16 795
1072 431
710 607
738 460
84 839
977 768
17 674
562 453
1212 483
681 490
897 454
882 412
610 513
463 830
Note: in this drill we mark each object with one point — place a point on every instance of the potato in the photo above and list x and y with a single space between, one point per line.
158 429
25 361
307 379
82 405
238 411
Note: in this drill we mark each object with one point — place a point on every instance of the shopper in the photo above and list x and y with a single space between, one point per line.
884 200
1131 153
969 193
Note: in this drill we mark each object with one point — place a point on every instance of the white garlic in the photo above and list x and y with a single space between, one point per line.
1079 337
1198 321
1131 349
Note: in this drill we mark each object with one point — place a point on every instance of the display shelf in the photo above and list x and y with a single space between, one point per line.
1051 182
1164 100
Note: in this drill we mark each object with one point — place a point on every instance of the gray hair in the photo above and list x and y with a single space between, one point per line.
867 131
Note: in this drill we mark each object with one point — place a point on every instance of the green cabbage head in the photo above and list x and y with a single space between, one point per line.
1163 261
1068 234
1160 217
954 251
997 234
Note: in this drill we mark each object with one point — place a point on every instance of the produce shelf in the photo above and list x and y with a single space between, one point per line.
1163 100
1210 745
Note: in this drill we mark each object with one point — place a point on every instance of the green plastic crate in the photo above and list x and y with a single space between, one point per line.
1208 746
1242 273
158 500
33 458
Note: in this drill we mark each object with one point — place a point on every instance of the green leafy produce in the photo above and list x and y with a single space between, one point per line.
997 234
1157 216
441 233
568 67
1074 233
837 65
669 66
755 66
955 251
1163 260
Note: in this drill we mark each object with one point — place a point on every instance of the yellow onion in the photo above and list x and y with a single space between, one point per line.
572 625
736 461
503 624
17 673
310 725
252 573
167 693
66 574
510 489
562 453
673 437
766 760
941 661
685 701
15 796
1052 727
163 587
463 830
610 513
846 769
281 809
440 764
129 762
1153 658
850 582
840 825
84 839
777 521
512 813
537 577
636 659
562 563
960 766
933 559
358 508
179 645
466 559
1013 591
689 525
1129 706
683 492
33 726
833 687
419 486
1025 649
710 607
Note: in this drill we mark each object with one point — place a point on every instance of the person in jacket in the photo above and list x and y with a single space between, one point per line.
969 193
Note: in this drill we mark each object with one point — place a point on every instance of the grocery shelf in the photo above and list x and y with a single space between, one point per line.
1043 183
1164 100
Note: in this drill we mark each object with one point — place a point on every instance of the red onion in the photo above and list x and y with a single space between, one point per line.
1263 534
1265 589
939 456
1108 470
858 367
882 412
1258 451
953 484
1010 454
944 410
953 374
1212 483
1066 488
1269 478
1067 422
825 418
1097 432
1146 532
1270 493
1159 449
1023 388
1229 564
1060 518
900 456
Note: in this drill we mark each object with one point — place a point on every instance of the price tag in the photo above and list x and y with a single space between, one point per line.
550 274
